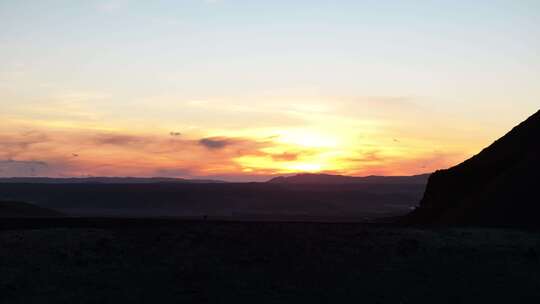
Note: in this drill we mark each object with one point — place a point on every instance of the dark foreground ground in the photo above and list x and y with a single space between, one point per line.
173 261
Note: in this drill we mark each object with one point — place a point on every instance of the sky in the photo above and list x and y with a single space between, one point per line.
247 90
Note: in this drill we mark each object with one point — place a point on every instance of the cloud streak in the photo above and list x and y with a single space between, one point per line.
286 156
13 145
13 168
216 143
120 139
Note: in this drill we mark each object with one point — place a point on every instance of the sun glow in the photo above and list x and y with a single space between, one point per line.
267 164
309 139
306 167
298 151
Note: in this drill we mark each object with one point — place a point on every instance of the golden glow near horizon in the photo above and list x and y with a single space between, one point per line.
245 90
329 141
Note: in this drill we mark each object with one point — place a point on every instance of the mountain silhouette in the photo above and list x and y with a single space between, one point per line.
328 179
497 187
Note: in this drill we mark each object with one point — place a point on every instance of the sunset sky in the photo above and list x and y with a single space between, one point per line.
245 90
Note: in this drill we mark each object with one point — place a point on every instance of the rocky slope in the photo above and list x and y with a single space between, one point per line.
497 187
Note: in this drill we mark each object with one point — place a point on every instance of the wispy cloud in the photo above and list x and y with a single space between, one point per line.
216 143
14 168
286 156
23 162
120 139
13 145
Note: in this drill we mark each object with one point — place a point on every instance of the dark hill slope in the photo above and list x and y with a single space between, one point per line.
498 187
21 209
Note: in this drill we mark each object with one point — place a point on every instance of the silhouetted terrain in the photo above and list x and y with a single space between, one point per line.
498 187
170 261
236 201
327 179
22 209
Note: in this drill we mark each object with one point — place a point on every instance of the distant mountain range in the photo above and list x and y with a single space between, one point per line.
497 187
328 179
304 196
105 180
305 179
